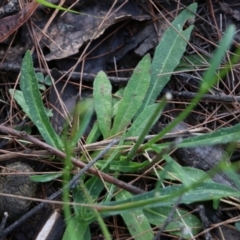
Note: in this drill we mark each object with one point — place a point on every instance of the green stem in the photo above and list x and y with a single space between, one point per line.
149 125
105 231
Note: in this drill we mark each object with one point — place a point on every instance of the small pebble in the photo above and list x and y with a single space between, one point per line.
17 184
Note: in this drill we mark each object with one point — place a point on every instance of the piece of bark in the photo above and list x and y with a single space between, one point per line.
11 7
15 180
70 31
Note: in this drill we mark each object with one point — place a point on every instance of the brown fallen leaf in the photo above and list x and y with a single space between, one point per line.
69 32
10 24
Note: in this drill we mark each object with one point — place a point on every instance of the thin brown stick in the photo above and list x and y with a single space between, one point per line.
208 97
76 162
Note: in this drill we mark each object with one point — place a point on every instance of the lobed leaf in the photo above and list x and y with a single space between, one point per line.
169 53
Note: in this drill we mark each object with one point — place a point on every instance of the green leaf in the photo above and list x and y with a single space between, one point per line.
158 216
179 169
209 79
137 223
169 195
168 53
237 225
40 77
113 154
102 94
192 175
18 96
192 62
224 135
133 95
41 87
152 119
117 96
82 116
123 165
141 121
48 81
95 187
115 108
77 229
45 80
45 177
94 134
33 99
